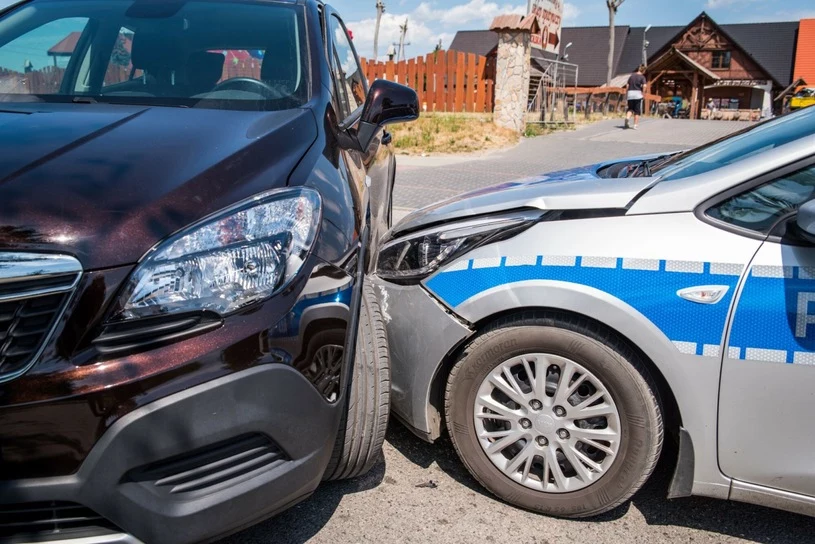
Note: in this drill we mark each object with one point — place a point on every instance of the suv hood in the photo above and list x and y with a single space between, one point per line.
106 183
577 189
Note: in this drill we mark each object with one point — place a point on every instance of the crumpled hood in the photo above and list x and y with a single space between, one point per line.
575 189
106 183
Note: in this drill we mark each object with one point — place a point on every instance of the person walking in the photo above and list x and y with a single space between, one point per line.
636 97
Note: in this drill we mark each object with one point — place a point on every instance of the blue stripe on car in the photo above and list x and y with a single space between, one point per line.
649 286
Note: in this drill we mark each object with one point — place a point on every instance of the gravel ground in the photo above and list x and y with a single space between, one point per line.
420 492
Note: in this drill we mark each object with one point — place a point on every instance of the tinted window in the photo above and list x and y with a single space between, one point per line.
347 71
34 61
120 64
748 143
760 208
198 53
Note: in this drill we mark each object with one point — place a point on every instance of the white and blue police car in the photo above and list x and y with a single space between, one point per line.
560 328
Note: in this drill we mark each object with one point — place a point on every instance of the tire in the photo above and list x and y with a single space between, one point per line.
365 420
605 359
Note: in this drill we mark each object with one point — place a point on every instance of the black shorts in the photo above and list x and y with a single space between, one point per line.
635 106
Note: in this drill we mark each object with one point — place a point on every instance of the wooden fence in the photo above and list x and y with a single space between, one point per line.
446 81
606 100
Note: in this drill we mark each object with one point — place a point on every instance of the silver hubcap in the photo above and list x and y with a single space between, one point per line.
547 423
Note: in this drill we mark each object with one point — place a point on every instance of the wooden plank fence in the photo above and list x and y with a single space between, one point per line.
446 81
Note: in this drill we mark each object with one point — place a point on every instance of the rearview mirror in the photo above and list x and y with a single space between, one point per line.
387 103
806 221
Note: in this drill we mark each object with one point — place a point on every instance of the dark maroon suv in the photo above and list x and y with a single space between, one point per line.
191 195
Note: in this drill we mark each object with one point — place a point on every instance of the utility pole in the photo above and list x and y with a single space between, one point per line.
404 29
380 9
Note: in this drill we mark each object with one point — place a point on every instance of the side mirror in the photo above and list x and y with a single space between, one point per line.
806 221
387 103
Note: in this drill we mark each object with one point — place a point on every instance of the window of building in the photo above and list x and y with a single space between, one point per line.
721 60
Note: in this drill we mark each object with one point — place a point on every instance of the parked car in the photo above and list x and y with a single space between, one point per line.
803 99
559 328
190 196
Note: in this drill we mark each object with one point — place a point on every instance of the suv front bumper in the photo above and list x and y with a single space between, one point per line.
202 463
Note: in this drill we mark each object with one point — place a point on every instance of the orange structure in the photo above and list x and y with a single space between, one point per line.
805 54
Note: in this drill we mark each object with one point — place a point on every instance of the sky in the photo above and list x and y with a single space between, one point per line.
432 20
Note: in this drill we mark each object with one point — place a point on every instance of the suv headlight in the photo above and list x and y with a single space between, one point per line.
418 255
232 259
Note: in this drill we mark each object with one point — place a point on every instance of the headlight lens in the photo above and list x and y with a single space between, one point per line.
419 255
233 259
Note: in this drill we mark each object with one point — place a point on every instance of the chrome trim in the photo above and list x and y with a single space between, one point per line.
24 266
31 266
113 538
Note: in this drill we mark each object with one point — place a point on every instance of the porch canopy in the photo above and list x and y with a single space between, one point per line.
684 72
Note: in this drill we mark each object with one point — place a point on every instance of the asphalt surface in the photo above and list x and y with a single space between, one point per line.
421 492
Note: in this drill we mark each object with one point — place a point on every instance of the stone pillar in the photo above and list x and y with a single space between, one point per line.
513 69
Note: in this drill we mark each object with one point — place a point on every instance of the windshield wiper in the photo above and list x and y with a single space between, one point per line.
84 100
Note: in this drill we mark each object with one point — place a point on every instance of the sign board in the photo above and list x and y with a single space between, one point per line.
741 83
550 17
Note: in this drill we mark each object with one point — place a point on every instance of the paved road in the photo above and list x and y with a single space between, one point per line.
422 181
387 505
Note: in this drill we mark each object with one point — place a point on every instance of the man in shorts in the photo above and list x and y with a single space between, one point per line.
636 97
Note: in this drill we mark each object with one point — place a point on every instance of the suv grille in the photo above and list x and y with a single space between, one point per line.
33 293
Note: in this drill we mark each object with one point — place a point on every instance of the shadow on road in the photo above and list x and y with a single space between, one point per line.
750 522
302 522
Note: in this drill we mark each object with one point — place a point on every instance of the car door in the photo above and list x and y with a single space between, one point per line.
767 401
369 171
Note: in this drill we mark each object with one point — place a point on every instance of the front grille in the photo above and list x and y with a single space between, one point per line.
34 290
44 521
24 324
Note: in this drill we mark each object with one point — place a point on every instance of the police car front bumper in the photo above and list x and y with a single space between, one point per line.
422 334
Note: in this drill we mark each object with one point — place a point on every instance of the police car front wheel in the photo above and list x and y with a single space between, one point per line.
553 414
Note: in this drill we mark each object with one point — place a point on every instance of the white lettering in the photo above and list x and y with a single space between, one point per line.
805 319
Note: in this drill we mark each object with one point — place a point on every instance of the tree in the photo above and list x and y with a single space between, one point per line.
613 6
120 56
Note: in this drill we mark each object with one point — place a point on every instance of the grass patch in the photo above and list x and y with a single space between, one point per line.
449 133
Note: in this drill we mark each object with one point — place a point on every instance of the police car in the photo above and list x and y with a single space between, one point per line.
562 328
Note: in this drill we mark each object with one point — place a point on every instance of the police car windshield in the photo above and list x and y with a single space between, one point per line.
185 53
742 145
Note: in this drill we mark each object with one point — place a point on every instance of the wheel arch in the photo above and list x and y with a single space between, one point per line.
673 413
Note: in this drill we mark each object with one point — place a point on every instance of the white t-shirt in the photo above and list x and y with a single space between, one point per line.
635 95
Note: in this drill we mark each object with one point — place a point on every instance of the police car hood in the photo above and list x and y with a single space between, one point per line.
576 189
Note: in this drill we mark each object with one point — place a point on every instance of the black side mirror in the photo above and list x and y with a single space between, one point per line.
387 102
806 221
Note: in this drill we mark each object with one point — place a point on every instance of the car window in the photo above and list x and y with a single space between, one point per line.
197 53
120 65
347 71
732 149
760 208
34 61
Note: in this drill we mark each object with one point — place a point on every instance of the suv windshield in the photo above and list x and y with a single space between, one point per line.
198 53
743 145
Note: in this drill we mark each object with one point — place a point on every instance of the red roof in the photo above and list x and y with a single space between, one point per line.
66 46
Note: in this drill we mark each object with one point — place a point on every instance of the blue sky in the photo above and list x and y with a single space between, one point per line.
431 20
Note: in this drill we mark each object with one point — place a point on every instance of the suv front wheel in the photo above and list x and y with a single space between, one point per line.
362 430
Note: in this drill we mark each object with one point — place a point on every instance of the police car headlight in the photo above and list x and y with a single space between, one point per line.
420 254
237 257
